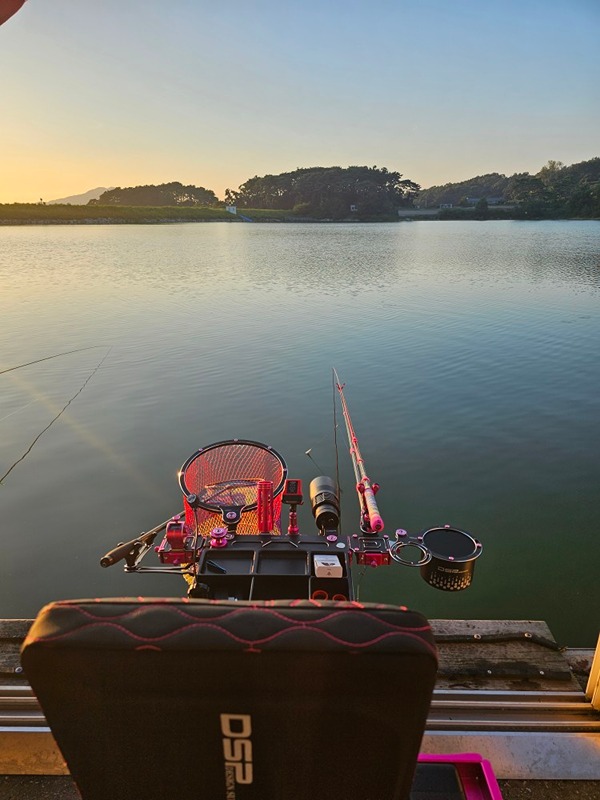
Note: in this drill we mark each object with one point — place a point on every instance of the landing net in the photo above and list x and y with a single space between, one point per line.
227 474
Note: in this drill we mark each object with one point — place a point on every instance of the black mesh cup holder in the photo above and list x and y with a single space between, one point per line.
453 556
445 556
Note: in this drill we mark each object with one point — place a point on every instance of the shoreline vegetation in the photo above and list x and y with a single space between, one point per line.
38 214
334 194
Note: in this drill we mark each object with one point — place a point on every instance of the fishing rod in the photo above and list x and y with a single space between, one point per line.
371 519
133 551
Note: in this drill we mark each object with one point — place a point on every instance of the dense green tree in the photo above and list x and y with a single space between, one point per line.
328 192
522 187
491 185
559 191
558 180
585 201
165 194
555 191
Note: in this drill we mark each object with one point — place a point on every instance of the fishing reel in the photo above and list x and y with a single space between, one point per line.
325 504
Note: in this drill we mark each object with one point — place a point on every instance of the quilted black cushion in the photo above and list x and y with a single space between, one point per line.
288 700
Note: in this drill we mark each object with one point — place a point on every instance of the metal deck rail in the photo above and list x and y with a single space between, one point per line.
547 728
451 710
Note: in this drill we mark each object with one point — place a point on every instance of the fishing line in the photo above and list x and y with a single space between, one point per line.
361 575
47 358
16 411
308 453
63 409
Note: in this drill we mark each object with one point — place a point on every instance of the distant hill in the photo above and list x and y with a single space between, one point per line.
555 192
80 199
492 185
554 182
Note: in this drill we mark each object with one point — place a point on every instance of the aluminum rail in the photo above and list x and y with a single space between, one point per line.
450 710
526 735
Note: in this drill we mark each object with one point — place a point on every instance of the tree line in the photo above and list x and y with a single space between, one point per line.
555 191
315 192
364 193
166 194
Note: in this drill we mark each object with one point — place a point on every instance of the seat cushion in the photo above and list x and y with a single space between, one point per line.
277 699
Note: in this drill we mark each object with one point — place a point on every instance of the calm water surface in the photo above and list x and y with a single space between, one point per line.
470 354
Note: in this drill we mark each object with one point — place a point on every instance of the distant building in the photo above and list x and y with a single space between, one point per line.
491 201
231 209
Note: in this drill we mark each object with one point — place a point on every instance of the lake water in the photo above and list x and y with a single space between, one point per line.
470 352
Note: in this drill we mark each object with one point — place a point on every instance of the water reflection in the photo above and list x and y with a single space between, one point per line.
469 352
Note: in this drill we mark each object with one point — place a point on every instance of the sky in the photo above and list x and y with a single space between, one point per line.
213 92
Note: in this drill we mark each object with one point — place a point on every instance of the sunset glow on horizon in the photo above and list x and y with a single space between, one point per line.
122 94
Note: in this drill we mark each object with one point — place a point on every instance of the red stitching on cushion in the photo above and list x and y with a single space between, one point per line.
243 609
252 642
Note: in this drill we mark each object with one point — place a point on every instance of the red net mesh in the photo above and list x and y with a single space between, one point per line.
228 475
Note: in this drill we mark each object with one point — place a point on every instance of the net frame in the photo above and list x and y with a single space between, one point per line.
244 462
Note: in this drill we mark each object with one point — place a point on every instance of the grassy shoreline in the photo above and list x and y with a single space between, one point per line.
59 214
37 213
63 214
